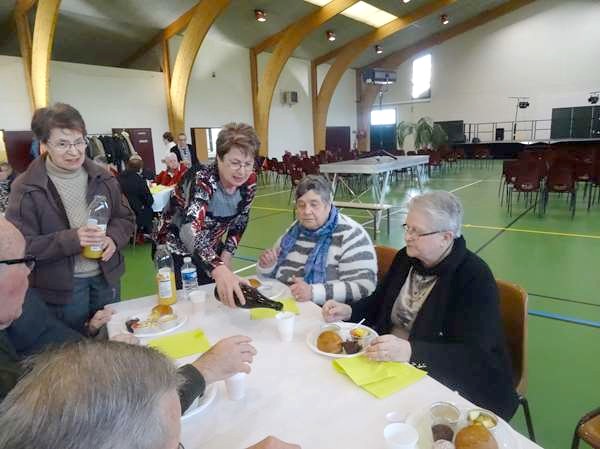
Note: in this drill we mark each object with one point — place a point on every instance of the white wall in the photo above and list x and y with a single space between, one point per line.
547 50
15 111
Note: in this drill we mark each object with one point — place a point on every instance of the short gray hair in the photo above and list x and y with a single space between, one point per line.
105 395
319 184
444 209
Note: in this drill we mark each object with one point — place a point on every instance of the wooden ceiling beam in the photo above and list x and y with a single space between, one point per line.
46 17
171 30
22 8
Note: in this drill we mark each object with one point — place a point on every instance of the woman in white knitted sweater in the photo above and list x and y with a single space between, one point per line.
324 254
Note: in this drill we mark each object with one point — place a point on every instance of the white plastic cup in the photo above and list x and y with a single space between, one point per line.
285 325
198 300
400 436
236 386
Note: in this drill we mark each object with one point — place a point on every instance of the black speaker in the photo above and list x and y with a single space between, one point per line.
499 133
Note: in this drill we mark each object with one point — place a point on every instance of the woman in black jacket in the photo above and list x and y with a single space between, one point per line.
438 305
138 194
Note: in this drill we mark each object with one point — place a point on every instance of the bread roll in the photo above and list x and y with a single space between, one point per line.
475 436
161 310
329 341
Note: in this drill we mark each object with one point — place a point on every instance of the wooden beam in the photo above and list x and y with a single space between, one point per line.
314 91
41 50
269 42
171 30
253 82
202 18
288 42
354 48
166 68
22 8
369 93
24 35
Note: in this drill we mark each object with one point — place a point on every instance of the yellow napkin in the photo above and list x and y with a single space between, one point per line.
181 345
159 188
381 379
289 305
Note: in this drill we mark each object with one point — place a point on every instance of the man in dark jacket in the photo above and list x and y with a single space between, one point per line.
138 194
185 153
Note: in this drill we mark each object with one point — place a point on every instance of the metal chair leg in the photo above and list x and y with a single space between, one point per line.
523 401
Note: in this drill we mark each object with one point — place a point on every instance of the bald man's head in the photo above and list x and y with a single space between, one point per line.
13 277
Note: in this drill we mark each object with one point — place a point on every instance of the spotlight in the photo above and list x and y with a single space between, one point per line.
593 98
523 104
444 19
330 35
379 50
260 15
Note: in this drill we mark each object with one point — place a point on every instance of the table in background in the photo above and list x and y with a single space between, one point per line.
292 392
161 195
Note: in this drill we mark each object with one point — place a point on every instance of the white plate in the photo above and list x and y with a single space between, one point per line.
157 330
271 290
201 403
503 433
311 338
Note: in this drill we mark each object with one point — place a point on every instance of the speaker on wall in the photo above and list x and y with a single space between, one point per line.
499 133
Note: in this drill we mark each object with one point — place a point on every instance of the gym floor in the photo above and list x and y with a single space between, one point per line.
555 258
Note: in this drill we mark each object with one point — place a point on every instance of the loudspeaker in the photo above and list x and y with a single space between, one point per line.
499 133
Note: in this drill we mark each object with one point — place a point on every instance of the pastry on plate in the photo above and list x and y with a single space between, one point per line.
475 436
330 342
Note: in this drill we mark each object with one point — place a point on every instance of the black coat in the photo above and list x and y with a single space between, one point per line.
140 199
193 154
458 332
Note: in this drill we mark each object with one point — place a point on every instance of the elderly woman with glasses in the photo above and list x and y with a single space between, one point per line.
211 202
49 205
438 305
324 254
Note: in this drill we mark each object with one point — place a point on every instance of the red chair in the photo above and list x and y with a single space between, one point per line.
527 184
588 429
510 170
296 176
483 154
435 160
561 180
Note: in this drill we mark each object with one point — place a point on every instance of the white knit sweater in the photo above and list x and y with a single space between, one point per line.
351 264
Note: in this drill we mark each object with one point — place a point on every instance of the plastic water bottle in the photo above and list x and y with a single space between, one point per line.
98 215
189 276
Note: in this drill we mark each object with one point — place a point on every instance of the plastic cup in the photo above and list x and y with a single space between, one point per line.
285 325
400 436
444 419
236 386
198 300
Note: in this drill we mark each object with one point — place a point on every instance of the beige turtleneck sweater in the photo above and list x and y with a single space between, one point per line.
72 189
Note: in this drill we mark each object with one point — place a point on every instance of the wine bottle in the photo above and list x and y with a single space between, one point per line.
254 299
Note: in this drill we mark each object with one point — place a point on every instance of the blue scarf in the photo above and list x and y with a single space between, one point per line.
316 264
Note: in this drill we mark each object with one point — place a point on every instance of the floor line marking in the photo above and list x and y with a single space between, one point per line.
465 186
532 231
244 269
503 230
567 319
272 193
570 301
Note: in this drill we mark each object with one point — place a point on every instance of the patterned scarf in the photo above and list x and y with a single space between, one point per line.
316 264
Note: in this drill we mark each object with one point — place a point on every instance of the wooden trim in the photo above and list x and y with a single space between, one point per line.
46 17
269 42
202 19
166 68
354 48
254 83
22 8
314 90
24 35
291 38
171 30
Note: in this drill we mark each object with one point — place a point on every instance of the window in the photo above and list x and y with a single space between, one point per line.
383 117
421 77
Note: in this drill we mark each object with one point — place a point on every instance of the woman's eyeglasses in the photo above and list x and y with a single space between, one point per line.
64 145
29 261
411 231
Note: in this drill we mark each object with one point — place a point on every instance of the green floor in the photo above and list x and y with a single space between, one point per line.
556 259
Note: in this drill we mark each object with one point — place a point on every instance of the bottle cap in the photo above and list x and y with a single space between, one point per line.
187 260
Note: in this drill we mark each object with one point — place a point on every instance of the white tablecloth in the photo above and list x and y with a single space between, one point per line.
373 165
161 199
292 392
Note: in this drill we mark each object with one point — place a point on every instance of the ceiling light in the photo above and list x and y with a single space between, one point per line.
444 19
405 1
523 104
260 15
594 96
378 49
330 35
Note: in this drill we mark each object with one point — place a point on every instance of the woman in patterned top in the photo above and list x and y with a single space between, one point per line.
212 202
438 305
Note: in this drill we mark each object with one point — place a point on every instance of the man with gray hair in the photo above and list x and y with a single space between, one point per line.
119 396
324 254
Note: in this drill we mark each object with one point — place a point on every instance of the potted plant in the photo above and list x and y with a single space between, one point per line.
427 134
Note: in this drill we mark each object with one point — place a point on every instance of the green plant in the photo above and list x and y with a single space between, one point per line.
403 130
427 134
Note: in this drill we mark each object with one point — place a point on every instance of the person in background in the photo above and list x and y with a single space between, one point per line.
49 205
324 254
110 395
173 173
138 194
185 153
145 173
7 176
211 202
103 162
438 305
168 141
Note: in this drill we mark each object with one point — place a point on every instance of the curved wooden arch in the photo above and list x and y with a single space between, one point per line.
287 43
46 17
349 52
203 17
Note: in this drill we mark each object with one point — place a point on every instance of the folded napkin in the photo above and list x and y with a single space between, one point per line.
381 379
289 305
182 344
159 188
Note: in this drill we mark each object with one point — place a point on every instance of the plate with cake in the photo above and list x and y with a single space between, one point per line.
338 340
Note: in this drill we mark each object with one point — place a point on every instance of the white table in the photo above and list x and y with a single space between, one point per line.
161 199
292 393
374 167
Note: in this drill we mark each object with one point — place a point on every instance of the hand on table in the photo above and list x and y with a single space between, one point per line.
228 285
228 357
389 348
268 258
335 311
273 443
100 318
301 291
